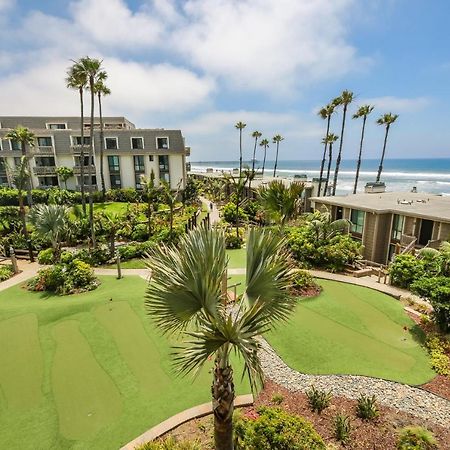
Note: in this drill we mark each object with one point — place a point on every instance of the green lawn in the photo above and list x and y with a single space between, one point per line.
237 258
135 263
83 371
349 329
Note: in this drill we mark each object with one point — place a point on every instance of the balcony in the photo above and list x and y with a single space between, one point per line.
78 147
77 169
187 151
43 150
86 187
44 170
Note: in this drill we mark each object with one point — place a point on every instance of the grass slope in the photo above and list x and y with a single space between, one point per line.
83 371
350 329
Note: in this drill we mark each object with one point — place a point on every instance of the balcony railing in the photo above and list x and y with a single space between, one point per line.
86 187
77 148
44 170
43 150
77 169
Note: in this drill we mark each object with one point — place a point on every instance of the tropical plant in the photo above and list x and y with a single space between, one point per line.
186 294
170 198
329 140
387 120
276 140
281 201
256 135
405 269
109 225
264 143
343 100
240 126
318 400
363 111
64 173
26 138
415 438
151 192
325 113
342 428
170 443
366 408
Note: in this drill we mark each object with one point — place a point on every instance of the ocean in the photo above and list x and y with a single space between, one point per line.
426 175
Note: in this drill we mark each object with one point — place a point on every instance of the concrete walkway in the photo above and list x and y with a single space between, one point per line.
214 216
28 270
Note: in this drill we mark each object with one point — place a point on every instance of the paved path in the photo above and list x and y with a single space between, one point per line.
143 273
214 216
28 270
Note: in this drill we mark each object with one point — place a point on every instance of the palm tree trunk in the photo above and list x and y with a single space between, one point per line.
253 166
149 215
223 405
83 198
330 157
380 169
112 249
240 151
264 160
22 216
338 159
102 175
323 157
91 161
28 182
358 166
276 161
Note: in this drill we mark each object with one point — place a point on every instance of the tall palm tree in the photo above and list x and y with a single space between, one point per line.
151 192
325 113
363 111
329 140
76 79
387 120
264 143
343 100
256 135
276 140
185 295
26 138
101 90
240 126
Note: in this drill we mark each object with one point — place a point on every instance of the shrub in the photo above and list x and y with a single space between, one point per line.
170 443
342 428
438 349
6 272
229 213
415 438
303 282
94 256
405 269
366 407
135 250
275 429
232 241
277 399
318 400
46 256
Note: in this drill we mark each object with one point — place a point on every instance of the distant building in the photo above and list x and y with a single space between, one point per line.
129 152
389 220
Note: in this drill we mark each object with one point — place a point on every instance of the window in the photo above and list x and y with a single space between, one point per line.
17 161
357 219
77 140
16 145
48 181
111 143
45 141
139 165
162 143
164 173
56 126
137 143
114 172
85 160
397 227
150 158
45 161
86 180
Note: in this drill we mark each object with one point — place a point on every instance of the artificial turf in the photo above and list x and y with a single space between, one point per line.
350 329
88 371
237 258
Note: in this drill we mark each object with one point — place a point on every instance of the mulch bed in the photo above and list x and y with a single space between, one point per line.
373 435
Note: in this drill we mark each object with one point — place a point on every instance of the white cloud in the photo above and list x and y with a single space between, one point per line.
6 4
396 104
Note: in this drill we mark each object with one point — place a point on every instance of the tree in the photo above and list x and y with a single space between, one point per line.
344 100
110 224
264 143
76 79
363 112
325 113
185 295
26 138
64 173
387 120
151 192
50 221
276 140
281 201
240 126
170 198
256 135
329 140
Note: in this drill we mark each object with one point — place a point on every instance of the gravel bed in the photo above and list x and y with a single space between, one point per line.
402 397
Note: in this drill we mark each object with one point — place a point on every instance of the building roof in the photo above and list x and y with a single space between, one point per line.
423 205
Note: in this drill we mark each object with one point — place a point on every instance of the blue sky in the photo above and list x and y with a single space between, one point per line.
202 65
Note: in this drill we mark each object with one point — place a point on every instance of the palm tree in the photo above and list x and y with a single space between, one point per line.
325 113
387 120
363 111
344 100
101 90
76 79
50 221
256 135
170 198
276 140
240 126
185 296
329 140
151 192
264 143
26 138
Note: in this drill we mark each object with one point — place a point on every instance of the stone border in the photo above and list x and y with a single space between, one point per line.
180 418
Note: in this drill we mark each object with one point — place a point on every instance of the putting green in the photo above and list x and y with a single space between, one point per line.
350 329
237 258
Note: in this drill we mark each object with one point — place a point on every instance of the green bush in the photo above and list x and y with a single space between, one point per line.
366 407
303 282
232 241
135 249
229 213
342 428
277 399
415 438
275 429
438 349
405 269
6 272
129 195
46 256
170 443
318 400
93 256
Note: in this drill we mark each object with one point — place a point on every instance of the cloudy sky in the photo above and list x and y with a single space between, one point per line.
203 65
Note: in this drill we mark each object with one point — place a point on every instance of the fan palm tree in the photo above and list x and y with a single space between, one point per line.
50 221
343 100
185 295
276 140
240 126
387 120
325 113
256 135
26 138
264 143
76 79
329 140
101 90
363 111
